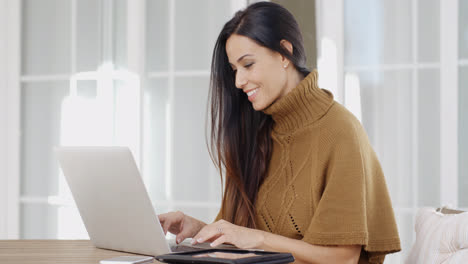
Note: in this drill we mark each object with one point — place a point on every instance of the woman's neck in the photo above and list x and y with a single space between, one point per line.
294 78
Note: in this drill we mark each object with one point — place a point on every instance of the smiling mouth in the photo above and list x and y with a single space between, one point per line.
254 91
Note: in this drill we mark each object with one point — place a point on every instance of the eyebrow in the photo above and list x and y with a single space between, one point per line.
239 59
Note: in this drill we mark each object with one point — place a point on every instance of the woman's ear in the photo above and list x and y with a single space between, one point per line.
289 47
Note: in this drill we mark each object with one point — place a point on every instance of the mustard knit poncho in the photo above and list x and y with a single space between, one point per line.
325 185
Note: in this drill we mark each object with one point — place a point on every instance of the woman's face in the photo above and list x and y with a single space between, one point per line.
260 72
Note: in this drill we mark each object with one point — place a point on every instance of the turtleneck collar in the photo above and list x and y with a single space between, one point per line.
302 106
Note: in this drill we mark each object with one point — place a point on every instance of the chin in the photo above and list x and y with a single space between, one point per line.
258 107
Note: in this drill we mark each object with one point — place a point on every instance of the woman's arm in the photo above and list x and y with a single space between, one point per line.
304 252
242 237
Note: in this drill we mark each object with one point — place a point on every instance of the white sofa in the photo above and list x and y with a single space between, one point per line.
441 237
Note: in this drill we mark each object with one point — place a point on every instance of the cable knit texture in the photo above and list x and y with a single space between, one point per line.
324 183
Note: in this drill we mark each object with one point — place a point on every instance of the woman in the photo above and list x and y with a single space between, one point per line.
300 174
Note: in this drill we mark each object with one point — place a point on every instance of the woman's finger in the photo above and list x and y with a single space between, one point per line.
166 225
208 233
182 235
220 240
200 234
168 222
162 217
162 221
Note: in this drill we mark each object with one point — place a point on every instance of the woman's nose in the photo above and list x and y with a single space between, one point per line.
240 80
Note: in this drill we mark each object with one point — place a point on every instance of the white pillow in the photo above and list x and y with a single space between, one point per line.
440 238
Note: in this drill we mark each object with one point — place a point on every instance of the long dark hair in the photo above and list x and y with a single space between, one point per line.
241 142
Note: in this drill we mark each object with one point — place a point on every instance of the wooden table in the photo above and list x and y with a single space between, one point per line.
53 252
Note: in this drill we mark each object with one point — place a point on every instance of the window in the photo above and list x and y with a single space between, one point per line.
463 102
388 61
117 72
393 61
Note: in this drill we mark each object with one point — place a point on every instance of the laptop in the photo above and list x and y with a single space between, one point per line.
113 202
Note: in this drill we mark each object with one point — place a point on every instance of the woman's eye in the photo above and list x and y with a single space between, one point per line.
248 65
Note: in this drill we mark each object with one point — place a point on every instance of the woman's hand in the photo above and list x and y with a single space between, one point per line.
246 238
224 232
181 225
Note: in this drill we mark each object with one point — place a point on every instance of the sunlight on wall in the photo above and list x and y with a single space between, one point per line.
353 95
327 66
110 118
328 76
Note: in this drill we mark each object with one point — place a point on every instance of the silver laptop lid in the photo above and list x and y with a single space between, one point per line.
112 199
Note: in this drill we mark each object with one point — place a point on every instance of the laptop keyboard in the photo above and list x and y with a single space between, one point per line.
184 248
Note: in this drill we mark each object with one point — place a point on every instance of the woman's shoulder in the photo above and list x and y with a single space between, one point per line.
340 117
344 127
336 120
339 123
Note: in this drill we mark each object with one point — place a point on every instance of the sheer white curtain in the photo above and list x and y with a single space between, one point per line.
73 92
87 78
380 58
463 101
388 59
9 117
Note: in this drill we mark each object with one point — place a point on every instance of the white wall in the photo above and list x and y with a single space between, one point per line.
3 118
9 118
